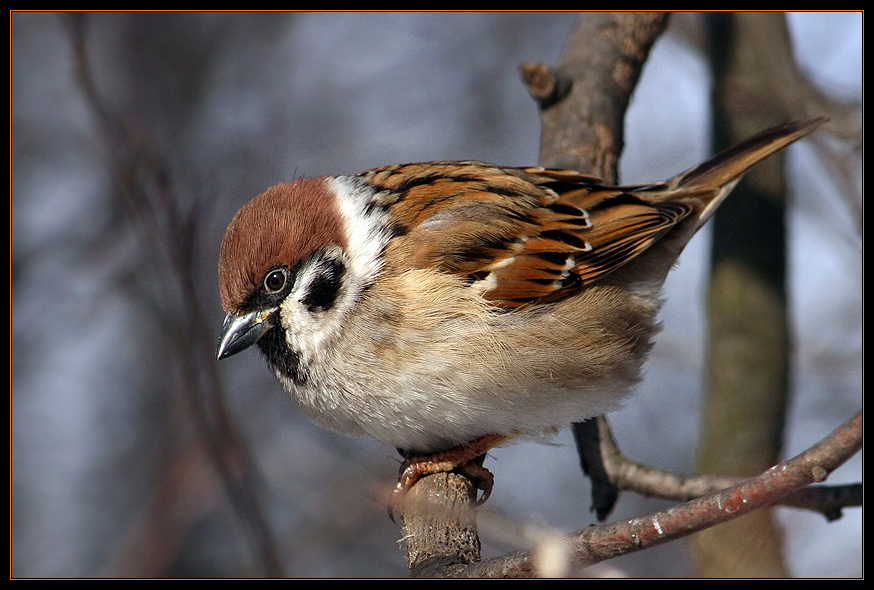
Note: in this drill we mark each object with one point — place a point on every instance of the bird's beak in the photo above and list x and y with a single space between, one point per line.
241 332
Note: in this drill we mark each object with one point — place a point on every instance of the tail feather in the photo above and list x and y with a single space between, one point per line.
717 177
703 189
729 165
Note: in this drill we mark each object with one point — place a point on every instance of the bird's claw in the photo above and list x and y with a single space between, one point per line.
465 459
412 471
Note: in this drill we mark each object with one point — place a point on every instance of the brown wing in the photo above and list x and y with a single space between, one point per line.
526 235
588 232
518 236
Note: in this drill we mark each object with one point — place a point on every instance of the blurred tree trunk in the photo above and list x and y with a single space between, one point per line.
749 337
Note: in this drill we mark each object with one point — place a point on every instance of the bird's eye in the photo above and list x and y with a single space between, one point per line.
275 280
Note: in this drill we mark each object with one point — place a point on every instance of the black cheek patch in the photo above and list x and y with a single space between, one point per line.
323 290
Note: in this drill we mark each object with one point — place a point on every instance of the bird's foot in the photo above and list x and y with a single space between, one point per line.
465 459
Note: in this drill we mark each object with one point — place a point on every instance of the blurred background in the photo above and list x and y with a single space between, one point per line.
134 139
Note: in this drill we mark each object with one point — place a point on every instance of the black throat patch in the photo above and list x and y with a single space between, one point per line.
280 357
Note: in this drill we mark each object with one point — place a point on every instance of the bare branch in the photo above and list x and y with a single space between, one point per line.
598 543
440 526
626 474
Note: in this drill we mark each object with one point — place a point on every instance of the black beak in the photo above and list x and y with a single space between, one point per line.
241 332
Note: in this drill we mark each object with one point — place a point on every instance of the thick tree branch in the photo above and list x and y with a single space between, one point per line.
583 98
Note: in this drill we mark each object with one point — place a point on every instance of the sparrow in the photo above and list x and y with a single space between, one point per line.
444 308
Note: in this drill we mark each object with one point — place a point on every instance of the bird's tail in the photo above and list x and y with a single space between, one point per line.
724 170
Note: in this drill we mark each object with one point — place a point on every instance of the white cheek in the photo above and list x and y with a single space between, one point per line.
314 335
308 331
298 327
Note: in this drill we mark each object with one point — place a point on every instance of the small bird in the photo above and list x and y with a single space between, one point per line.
446 307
